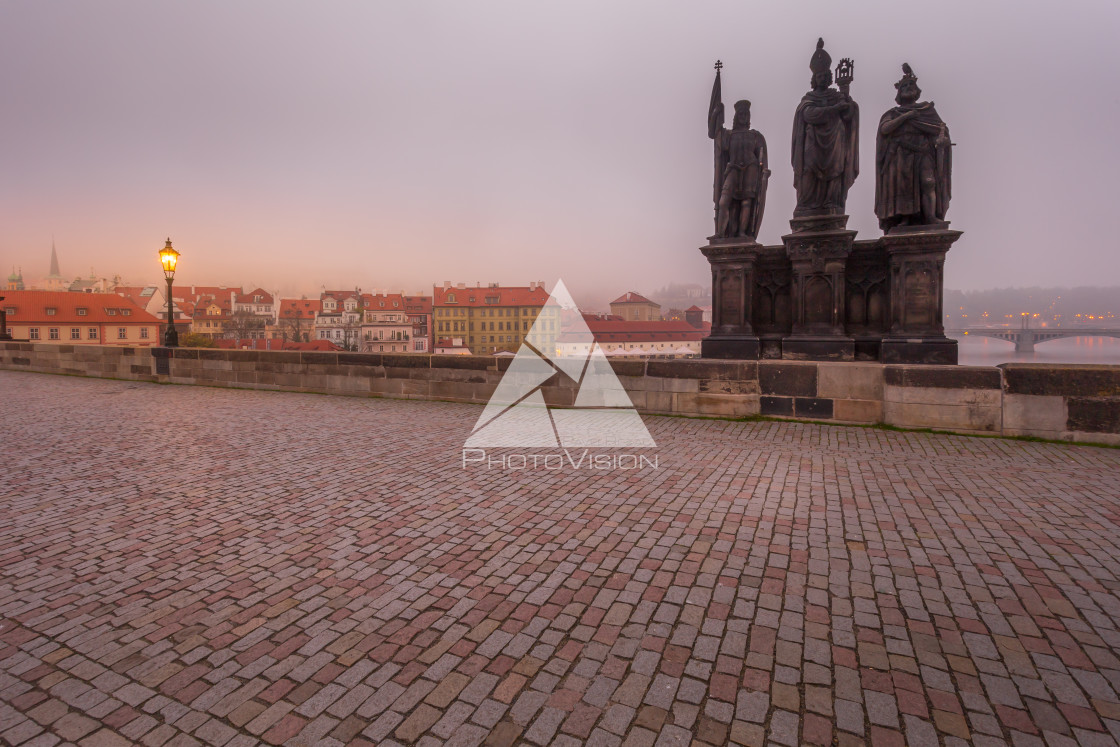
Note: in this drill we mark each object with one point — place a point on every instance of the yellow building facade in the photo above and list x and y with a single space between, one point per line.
491 319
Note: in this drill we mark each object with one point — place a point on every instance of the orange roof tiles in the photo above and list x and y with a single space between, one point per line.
266 297
196 292
383 301
418 304
632 297
500 296
136 294
300 308
31 308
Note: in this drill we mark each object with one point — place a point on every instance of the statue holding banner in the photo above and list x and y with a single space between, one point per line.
741 175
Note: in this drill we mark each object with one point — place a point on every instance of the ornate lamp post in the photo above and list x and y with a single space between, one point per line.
169 258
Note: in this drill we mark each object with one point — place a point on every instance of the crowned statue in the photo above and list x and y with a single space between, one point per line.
740 169
913 156
825 139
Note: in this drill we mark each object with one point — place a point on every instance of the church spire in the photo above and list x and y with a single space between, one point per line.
55 272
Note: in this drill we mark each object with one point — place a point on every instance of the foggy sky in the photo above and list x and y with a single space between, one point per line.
393 145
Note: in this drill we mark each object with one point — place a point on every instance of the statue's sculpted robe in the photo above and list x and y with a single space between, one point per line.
825 151
917 146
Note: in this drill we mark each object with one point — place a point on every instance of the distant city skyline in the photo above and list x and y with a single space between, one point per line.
346 144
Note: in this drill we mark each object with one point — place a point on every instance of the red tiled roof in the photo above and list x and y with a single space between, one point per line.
203 304
503 296
341 295
418 304
196 292
632 297
300 308
383 301
266 297
694 307
31 307
133 293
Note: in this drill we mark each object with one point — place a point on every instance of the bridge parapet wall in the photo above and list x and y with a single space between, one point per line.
1065 402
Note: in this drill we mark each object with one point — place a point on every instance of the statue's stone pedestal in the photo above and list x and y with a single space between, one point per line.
733 268
818 251
916 262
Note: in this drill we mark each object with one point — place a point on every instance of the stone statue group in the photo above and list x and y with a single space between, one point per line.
913 156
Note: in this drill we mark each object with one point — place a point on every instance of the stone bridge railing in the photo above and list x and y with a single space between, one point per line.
1063 402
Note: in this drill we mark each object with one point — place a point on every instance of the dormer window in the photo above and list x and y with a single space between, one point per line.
111 312
125 312
451 298
256 299
51 311
81 311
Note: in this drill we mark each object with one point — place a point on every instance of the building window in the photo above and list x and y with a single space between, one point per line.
82 311
34 333
52 333
125 312
111 312
122 333
75 333
93 333
143 333
51 311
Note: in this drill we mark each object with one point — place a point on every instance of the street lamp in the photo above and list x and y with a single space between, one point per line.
169 258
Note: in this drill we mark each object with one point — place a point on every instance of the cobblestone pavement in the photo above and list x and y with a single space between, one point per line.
185 566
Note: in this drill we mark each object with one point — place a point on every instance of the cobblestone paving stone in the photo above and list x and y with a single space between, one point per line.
192 566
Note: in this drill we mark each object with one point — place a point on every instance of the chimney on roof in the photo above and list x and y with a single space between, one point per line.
446 284
461 286
532 284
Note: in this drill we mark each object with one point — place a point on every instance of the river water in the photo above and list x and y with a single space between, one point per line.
986 351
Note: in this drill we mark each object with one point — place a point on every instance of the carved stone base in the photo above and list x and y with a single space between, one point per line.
934 350
818 251
733 267
916 261
736 348
818 348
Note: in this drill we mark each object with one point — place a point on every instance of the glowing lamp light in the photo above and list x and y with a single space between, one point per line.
168 257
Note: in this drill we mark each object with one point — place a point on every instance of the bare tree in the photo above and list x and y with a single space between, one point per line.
241 324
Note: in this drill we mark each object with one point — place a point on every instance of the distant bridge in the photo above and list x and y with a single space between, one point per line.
1026 337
